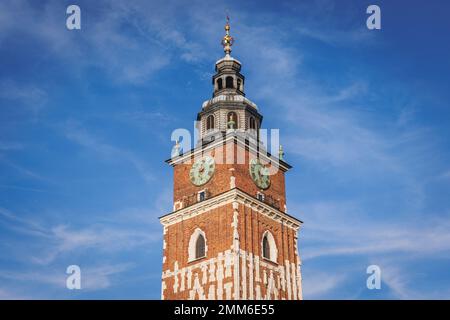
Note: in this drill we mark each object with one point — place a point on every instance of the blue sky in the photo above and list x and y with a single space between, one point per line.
86 118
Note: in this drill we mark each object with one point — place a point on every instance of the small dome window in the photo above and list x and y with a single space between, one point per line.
252 123
229 82
210 122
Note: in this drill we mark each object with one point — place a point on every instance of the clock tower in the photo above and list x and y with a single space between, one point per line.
229 235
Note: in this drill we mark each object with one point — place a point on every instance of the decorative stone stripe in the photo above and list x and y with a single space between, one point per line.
216 278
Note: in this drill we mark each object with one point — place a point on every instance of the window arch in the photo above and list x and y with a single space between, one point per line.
219 84
210 122
229 82
252 124
232 120
198 247
239 86
269 247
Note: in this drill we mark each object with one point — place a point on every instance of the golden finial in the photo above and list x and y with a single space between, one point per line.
227 40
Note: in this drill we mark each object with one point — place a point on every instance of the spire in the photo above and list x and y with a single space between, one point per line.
227 40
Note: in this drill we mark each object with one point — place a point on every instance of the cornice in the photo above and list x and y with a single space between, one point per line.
252 147
233 195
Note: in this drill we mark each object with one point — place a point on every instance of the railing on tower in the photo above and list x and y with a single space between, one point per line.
271 201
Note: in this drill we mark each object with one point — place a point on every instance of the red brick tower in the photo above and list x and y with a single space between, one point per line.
229 235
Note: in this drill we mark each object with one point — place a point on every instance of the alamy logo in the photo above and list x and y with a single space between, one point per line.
374 280
74 279
374 20
73 21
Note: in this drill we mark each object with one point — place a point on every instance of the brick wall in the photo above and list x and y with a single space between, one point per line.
233 267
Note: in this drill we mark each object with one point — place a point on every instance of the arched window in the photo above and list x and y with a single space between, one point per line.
239 84
219 84
210 122
266 248
232 120
229 82
269 247
252 123
200 247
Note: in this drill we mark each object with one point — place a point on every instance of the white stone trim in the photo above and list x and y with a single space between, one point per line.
232 179
208 279
177 205
163 287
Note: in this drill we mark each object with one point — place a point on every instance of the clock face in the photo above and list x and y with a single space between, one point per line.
259 174
202 171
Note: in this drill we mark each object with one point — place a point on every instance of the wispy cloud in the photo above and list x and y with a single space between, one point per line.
127 59
6 294
53 241
339 229
347 233
22 225
93 278
23 170
10 145
28 96
98 237
354 36
445 175
314 286
78 134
